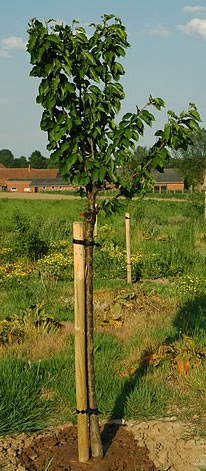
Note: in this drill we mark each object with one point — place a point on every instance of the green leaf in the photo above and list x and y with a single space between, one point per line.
157 162
120 51
195 115
95 175
54 38
108 17
192 124
67 68
166 133
102 173
172 114
158 103
70 162
128 133
127 116
95 90
70 87
118 68
89 57
147 117
93 74
81 179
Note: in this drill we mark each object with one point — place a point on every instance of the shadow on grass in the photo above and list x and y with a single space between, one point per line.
191 321
191 317
109 432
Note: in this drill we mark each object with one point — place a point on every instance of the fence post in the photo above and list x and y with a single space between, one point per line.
80 342
128 250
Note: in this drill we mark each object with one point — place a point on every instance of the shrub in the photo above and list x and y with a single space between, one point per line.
28 241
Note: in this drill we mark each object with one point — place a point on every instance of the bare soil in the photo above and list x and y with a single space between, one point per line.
57 451
157 445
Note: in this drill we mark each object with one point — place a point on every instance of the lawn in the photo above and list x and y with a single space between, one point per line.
150 340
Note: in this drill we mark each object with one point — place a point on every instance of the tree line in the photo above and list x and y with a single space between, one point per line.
192 162
36 160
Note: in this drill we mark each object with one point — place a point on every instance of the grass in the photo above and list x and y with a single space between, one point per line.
150 337
21 406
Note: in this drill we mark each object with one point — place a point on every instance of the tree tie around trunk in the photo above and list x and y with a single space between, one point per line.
86 243
88 411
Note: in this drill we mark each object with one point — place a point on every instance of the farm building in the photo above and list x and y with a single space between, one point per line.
170 180
30 180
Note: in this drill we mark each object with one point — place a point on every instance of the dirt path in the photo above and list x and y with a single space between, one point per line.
57 196
37 196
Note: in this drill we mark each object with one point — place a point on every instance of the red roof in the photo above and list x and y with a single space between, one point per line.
26 173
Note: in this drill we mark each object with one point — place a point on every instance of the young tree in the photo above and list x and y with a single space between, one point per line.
81 96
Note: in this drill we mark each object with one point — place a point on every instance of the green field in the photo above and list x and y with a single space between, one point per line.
150 337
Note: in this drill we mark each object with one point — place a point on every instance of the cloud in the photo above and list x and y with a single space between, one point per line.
158 30
13 42
195 9
9 44
4 53
196 25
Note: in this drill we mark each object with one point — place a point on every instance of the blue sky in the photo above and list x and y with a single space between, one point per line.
167 58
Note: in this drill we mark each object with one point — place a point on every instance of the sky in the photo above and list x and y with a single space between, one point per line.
167 59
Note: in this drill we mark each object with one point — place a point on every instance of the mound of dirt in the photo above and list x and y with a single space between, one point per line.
58 451
156 445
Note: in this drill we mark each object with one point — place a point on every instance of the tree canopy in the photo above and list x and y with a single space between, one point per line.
6 157
81 94
20 162
36 160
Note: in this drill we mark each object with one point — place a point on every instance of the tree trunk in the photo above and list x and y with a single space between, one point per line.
90 217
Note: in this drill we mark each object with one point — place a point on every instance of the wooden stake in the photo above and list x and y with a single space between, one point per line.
129 266
80 342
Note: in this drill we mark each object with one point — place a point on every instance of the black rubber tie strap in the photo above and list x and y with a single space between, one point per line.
88 411
93 412
82 411
86 243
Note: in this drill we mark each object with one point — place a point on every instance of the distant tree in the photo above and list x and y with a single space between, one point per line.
192 161
52 164
21 162
174 162
136 158
6 157
36 160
